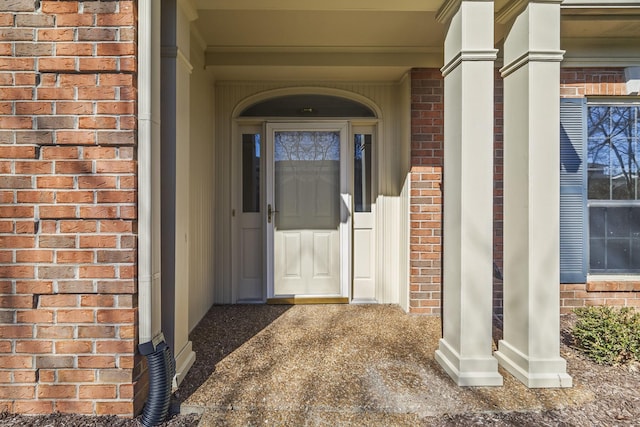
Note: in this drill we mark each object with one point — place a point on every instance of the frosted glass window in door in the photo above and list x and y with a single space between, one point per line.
307 180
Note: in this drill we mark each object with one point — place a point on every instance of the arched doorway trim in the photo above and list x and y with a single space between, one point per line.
305 90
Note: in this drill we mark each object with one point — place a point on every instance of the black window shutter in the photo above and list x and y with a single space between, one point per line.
573 191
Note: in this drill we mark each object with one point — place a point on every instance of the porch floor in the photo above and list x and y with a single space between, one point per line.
335 365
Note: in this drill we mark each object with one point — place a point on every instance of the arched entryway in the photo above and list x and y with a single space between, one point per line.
303 190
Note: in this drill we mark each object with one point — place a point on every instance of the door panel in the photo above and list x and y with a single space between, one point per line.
252 259
309 217
364 233
249 242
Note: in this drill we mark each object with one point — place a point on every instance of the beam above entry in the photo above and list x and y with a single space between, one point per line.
318 57
375 5
318 64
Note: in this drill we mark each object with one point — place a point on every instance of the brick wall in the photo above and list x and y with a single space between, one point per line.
624 294
427 137
580 82
498 189
68 207
576 83
427 121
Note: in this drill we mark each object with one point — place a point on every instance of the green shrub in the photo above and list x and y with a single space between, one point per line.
607 335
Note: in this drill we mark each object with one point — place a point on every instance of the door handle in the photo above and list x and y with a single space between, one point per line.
270 213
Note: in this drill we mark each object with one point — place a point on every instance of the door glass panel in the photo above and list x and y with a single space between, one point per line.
251 172
362 173
307 180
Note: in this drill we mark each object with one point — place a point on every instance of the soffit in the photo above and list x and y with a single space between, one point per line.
600 27
605 32
349 39
340 29
360 39
314 5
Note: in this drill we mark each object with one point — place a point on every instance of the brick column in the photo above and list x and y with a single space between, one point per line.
67 207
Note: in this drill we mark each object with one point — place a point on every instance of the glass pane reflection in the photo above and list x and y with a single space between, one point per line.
251 172
362 173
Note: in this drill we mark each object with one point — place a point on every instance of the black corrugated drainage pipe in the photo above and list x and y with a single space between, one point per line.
162 368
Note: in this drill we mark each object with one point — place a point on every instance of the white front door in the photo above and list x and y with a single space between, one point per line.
308 210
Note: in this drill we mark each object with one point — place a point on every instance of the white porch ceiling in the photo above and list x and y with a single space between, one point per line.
360 40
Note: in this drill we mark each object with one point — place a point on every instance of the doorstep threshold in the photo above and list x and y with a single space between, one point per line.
308 300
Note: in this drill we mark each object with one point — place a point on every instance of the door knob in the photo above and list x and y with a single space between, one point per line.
270 212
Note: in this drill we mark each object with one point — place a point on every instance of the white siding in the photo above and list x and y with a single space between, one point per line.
392 165
202 195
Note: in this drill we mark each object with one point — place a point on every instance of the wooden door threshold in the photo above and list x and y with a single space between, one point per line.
308 300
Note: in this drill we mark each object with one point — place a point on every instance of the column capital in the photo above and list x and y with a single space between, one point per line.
515 7
469 55
531 56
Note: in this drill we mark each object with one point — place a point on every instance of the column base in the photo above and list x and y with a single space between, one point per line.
534 373
184 361
475 372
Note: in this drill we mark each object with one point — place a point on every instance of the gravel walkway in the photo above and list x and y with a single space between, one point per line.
373 365
362 365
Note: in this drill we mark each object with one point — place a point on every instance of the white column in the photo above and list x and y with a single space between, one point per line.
530 349
465 351
176 74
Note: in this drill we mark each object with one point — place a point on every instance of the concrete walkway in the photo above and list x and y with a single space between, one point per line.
318 365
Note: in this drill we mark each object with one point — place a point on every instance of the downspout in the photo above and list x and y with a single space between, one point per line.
145 247
161 366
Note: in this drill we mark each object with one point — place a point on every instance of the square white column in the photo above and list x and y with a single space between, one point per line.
465 351
176 77
530 349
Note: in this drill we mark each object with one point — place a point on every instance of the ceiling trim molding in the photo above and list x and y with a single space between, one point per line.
607 4
447 10
587 61
189 9
326 49
318 59
325 5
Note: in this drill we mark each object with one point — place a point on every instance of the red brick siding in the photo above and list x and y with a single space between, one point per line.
624 294
576 83
68 301
498 189
427 119
580 82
